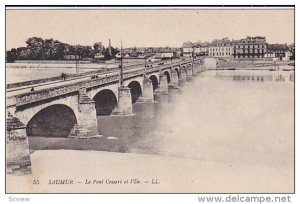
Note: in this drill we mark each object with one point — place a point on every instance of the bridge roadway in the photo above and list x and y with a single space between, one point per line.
10 92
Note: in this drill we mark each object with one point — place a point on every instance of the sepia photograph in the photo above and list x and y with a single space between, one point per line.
149 99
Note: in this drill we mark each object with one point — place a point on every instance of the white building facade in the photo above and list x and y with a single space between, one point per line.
187 51
167 55
220 51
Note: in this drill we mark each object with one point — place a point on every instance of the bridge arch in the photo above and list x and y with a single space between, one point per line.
168 76
177 71
154 80
135 90
52 121
105 102
185 68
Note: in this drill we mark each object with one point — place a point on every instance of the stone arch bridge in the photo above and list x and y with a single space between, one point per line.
71 109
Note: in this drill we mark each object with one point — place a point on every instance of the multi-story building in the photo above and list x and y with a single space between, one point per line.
281 51
167 55
292 49
270 56
220 49
187 51
178 53
197 51
200 51
251 47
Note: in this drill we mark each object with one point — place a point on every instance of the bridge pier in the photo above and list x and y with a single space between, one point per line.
204 68
124 102
195 69
174 78
201 68
86 126
189 73
147 96
17 147
182 76
163 87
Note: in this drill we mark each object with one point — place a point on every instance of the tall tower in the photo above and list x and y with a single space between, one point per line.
109 47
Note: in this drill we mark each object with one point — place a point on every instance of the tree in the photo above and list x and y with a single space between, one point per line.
114 51
50 49
36 47
60 50
11 55
23 53
79 51
98 48
187 44
82 51
134 52
87 52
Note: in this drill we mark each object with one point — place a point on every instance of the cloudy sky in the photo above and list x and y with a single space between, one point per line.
142 27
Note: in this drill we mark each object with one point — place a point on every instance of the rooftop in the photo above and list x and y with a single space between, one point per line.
277 46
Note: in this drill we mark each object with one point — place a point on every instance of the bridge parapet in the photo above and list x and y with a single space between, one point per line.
39 95
133 74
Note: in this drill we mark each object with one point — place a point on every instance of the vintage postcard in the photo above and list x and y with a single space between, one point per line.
150 99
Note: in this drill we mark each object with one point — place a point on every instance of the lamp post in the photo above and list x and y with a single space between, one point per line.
145 68
193 55
121 65
124 93
76 62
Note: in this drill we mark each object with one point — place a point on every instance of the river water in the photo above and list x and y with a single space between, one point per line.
14 75
209 118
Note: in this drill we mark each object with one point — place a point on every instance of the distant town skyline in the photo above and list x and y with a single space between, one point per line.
147 28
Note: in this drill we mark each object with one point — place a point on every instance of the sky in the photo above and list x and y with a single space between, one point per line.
145 28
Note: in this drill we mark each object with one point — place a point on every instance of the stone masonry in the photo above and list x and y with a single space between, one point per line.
86 126
17 147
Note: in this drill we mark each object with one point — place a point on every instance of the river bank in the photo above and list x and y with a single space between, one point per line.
157 174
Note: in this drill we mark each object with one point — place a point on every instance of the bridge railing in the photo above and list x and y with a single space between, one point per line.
43 94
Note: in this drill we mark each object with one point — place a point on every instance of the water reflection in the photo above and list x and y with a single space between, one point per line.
257 75
14 75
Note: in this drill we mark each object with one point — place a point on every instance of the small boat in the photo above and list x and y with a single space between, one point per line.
272 69
231 68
